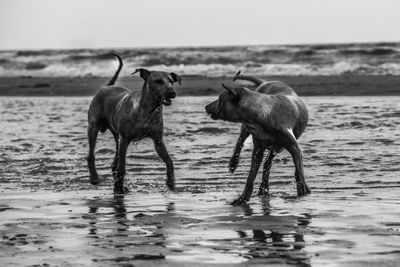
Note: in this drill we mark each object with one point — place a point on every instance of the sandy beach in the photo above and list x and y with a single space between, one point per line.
50 215
333 200
81 228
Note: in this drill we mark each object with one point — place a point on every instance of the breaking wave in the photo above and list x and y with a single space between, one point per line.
331 59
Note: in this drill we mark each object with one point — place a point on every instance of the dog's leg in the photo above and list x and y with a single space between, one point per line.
163 153
114 165
264 187
290 144
239 145
92 136
256 159
119 177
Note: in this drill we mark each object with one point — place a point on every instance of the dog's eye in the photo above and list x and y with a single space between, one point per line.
158 81
220 102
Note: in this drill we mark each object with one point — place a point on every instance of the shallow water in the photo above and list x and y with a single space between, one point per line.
350 148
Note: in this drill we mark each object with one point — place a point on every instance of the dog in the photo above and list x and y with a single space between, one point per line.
275 116
131 115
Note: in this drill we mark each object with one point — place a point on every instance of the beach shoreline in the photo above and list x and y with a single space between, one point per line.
192 85
51 215
169 229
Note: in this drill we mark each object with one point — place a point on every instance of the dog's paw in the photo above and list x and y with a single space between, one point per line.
94 180
264 189
302 189
239 201
118 195
171 185
263 193
119 190
172 188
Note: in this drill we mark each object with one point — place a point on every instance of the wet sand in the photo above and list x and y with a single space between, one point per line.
50 214
198 229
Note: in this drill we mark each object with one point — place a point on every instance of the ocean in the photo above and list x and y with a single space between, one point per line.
322 59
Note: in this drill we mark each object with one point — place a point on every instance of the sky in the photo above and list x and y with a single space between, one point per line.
71 24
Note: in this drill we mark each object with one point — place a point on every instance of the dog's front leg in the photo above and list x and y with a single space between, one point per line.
92 136
119 177
256 159
114 165
163 154
238 148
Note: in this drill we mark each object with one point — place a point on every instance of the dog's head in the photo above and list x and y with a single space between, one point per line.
160 84
227 106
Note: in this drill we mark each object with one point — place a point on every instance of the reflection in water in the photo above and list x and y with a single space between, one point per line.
92 222
120 215
276 240
102 212
171 207
247 210
114 223
266 208
254 232
94 216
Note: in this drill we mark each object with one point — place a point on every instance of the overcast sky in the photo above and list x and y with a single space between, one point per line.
38 24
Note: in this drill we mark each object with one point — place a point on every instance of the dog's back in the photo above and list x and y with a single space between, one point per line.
111 100
275 88
280 88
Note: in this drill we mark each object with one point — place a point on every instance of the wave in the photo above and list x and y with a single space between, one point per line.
108 68
330 59
373 51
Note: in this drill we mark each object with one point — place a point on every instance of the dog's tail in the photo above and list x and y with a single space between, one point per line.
239 76
115 77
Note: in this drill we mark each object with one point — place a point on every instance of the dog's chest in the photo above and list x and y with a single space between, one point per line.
260 133
139 129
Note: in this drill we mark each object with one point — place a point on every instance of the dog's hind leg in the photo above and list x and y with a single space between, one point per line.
239 145
290 144
264 187
256 159
163 154
120 175
92 136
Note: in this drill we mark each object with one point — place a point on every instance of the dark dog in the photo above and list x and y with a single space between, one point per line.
275 117
131 116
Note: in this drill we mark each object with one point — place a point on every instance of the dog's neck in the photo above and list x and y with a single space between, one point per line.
148 104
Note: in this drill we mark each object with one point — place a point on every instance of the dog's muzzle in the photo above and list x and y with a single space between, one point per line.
210 112
167 100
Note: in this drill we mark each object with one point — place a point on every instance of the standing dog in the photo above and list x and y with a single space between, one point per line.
275 117
131 116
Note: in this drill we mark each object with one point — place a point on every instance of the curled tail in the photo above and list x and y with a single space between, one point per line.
249 78
115 77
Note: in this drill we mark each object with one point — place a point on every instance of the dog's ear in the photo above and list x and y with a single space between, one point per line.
176 78
233 92
230 89
144 74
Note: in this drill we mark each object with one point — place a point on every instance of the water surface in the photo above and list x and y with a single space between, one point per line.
49 213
